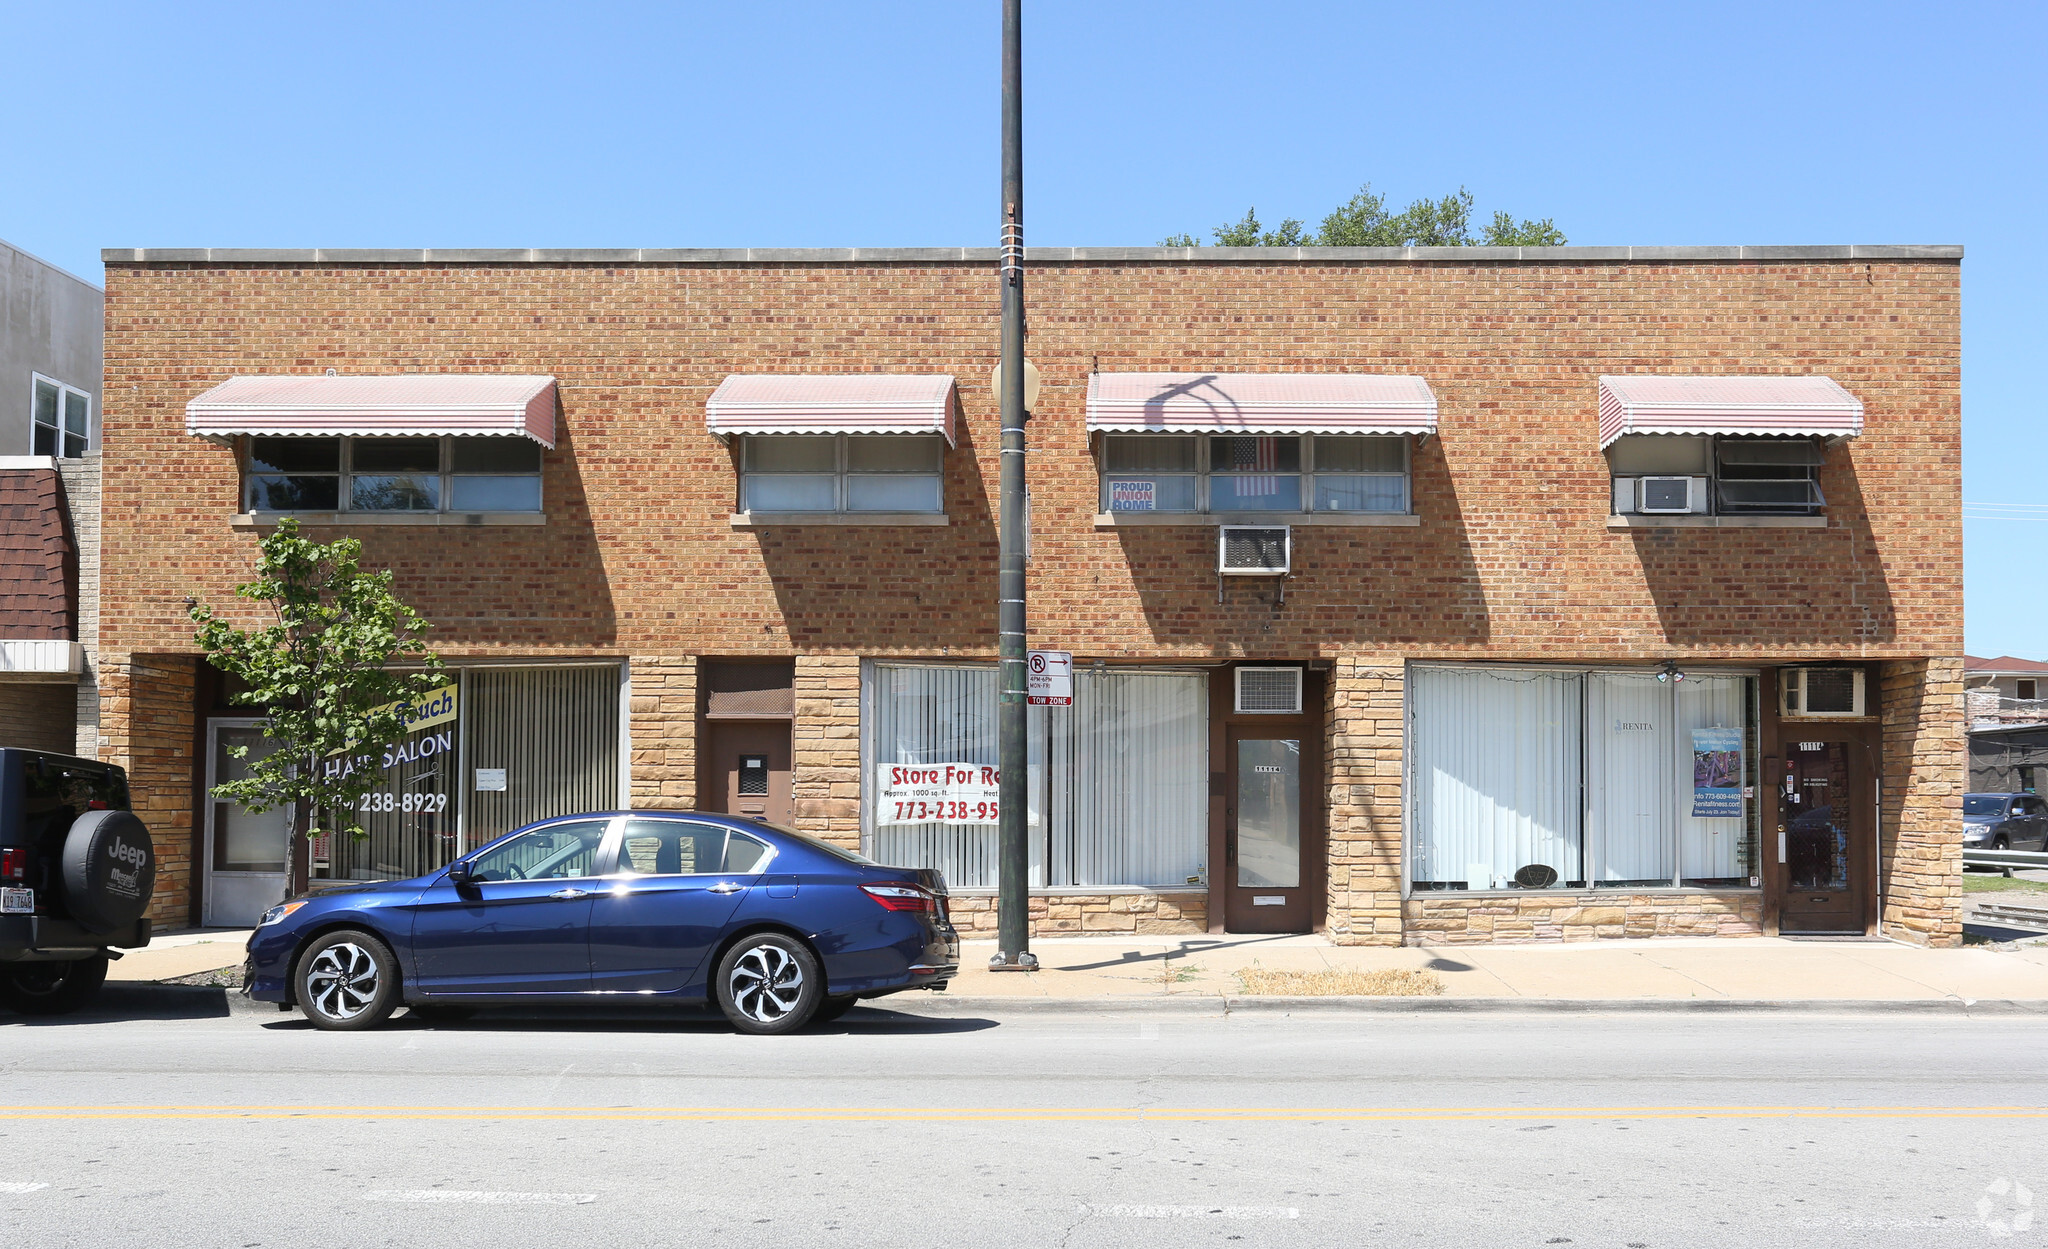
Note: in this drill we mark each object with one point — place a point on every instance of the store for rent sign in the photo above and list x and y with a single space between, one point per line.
936 793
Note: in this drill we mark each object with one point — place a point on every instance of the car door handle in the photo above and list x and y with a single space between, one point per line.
726 886
569 895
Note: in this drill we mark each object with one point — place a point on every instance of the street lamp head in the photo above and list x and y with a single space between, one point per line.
995 384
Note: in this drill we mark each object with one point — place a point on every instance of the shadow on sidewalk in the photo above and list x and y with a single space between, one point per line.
1189 946
861 1020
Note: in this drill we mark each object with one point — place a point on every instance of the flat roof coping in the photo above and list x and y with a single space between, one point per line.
989 255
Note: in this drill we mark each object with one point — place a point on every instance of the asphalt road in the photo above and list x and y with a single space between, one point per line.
1468 1130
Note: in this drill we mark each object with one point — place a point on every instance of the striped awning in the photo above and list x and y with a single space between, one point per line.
1260 403
865 403
1757 406
404 403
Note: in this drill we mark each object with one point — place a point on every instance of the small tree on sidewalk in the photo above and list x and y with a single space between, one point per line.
322 676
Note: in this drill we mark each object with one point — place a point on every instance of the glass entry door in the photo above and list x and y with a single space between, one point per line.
1263 828
1823 837
244 850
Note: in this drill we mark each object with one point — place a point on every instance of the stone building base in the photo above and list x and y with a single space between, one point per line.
1080 915
1494 918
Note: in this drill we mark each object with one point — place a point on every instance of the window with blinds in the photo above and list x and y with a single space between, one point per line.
1588 774
1117 783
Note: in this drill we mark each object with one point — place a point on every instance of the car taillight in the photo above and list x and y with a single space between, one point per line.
902 897
13 864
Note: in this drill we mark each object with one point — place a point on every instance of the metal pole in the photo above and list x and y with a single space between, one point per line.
1013 879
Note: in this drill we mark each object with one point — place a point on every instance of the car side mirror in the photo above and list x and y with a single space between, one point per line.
458 874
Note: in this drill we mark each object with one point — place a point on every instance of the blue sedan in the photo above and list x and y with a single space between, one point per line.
779 929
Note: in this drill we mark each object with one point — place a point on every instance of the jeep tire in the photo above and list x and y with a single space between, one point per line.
54 988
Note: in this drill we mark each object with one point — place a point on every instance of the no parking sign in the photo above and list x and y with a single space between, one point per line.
1049 679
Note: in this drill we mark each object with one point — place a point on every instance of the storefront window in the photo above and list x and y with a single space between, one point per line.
1117 782
494 749
1543 778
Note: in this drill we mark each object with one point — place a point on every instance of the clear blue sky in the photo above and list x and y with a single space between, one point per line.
798 123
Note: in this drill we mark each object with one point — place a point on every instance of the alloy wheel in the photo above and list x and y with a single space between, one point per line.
766 983
342 980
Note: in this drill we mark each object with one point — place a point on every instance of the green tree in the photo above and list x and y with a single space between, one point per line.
321 673
1365 222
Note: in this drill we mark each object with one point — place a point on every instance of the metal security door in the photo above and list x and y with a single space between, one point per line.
749 769
1823 836
1265 886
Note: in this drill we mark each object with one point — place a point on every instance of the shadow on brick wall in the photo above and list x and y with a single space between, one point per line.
1352 584
1739 587
891 587
508 585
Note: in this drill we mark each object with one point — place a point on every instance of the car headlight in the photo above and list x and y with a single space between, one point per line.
277 913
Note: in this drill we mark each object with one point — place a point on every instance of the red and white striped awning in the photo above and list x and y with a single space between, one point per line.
1260 403
1786 406
398 404
865 403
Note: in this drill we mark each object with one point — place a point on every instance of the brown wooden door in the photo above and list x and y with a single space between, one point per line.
1823 799
1271 777
746 769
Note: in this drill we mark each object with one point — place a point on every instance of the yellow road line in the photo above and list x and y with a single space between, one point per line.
1016 1114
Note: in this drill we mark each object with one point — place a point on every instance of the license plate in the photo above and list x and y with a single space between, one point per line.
17 901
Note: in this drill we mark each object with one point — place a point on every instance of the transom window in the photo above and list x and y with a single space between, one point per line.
1254 473
1703 474
445 474
841 473
63 419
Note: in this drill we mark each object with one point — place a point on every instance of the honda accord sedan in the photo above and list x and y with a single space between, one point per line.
778 928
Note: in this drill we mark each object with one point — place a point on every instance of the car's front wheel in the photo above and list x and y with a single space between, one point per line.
769 984
51 988
347 981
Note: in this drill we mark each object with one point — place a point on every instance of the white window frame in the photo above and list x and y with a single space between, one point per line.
345 471
841 475
64 391
1307 473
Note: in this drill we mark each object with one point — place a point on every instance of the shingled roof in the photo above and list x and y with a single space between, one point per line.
38 560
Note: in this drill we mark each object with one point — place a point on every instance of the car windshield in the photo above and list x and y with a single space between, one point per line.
1983 804
851 856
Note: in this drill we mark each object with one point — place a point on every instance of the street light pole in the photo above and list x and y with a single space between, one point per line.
1013 919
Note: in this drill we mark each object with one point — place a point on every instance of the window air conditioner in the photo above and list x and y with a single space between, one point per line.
1271 691
1665 496
1820 691
1254 550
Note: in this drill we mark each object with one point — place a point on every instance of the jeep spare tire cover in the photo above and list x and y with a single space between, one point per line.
109 869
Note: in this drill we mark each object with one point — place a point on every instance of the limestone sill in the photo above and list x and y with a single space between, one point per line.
1717 522
1120 520
759 520
268 520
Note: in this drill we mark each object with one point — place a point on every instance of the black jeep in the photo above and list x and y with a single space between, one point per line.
76 871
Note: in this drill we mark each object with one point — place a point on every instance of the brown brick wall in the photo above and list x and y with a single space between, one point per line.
1921 703
39 715
1512 560
147 708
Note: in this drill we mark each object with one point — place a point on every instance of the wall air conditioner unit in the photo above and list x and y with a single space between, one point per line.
1671 496
1269 691
1254 550
1820 692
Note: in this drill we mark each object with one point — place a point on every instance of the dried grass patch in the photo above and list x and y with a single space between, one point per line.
1387 982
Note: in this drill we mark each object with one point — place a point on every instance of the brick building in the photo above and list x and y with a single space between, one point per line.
717 528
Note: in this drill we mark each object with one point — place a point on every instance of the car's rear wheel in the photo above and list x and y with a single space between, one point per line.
769 984
347 981
52 988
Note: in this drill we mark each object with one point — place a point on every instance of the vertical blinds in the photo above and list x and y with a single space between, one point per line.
1117 782
555 732
1586 773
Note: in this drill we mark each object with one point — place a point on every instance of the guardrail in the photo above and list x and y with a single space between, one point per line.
2007 859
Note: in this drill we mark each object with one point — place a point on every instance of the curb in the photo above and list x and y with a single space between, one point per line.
1220 1007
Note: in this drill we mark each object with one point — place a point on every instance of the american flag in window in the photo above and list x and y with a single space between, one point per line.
1256 456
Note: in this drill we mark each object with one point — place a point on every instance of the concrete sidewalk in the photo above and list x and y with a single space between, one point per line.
1756 969
1125 969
